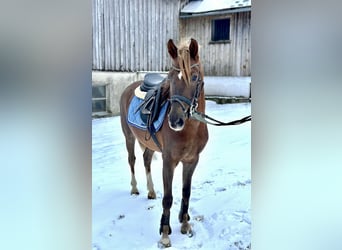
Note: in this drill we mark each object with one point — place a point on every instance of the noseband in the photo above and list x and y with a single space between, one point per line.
181 100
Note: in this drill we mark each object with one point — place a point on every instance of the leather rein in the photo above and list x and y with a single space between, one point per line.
192 104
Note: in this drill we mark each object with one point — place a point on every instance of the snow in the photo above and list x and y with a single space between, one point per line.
221 189
206 5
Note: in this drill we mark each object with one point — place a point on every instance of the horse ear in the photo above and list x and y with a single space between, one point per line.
172 49
193 49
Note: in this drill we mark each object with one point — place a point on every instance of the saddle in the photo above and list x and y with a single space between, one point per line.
151 90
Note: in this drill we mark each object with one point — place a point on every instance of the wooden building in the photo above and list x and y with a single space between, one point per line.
130 39
131 35
223 29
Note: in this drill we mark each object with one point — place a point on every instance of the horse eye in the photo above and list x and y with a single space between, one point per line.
194 78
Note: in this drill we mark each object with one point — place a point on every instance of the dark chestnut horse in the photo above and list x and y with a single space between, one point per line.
181 138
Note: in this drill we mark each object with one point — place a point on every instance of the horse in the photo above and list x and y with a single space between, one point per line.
181 138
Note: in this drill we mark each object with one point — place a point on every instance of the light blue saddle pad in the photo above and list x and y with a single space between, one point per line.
135 120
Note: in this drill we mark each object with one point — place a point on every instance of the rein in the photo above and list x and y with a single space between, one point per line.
194 114
203 118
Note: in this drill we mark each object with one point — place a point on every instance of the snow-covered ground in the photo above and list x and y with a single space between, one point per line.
220 199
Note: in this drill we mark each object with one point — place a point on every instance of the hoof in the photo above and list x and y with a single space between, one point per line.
151 195
164 242
186 229
134 192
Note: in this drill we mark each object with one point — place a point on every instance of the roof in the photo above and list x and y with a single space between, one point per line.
205 7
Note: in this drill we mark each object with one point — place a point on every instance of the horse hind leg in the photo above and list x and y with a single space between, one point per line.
130 143
148 154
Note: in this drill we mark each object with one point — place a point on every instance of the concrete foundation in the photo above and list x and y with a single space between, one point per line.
116 82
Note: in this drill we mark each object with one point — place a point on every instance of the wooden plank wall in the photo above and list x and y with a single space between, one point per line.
131 35
222 59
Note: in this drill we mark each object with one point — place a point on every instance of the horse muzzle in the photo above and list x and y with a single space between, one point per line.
176 119
180 106
177 125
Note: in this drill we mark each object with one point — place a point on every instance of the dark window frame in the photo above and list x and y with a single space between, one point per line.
98 99
219 32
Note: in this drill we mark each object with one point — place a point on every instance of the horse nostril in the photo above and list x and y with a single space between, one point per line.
180 122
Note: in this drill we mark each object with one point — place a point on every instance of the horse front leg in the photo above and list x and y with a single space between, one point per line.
188 170
165 228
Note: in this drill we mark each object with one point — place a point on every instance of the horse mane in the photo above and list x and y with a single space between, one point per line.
184 63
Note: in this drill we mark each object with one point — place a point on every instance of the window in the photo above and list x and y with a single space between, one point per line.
99 99
220 29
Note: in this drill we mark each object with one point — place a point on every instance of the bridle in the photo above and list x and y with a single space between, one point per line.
191 103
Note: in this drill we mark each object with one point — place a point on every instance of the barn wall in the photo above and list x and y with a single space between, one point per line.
131 35
222 59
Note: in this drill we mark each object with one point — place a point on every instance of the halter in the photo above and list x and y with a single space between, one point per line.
193 103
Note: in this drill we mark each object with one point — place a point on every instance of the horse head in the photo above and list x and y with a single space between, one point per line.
186 82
